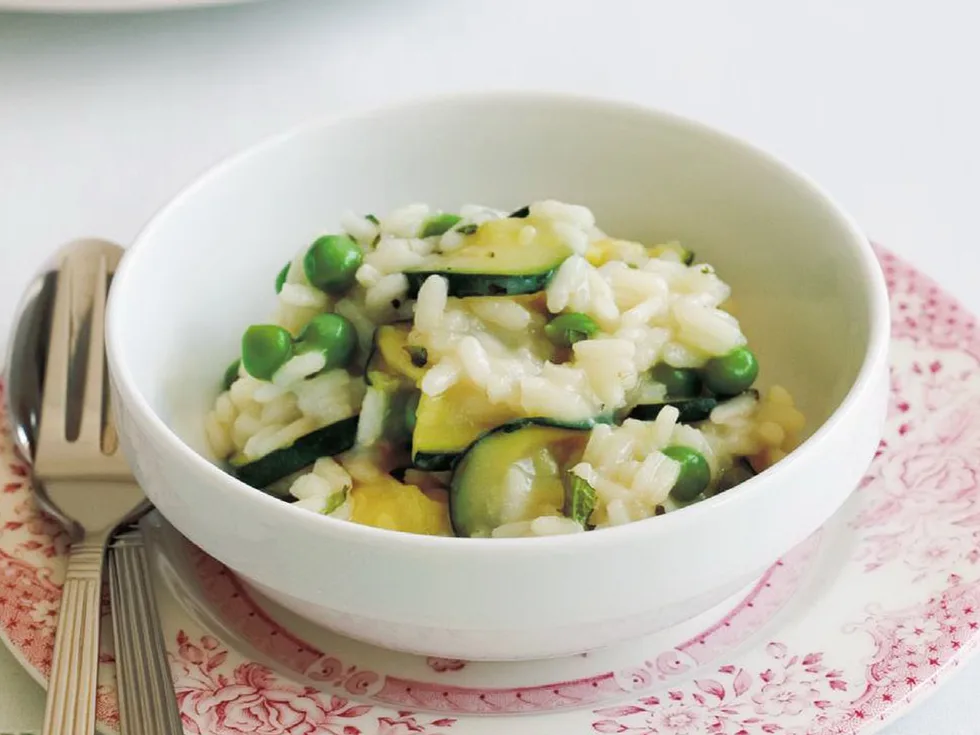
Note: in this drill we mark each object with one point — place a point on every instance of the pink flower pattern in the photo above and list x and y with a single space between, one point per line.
791 690
442 694
251 700
926 513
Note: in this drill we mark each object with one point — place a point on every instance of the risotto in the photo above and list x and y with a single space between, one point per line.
494 374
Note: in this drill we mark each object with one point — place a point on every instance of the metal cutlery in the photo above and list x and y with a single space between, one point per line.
83 481
79 477
25 359
147 703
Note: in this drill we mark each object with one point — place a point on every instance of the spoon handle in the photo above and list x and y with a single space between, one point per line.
147 703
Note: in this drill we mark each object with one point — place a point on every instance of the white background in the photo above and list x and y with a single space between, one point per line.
103 118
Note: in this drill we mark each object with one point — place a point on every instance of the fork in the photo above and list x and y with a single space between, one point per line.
81 477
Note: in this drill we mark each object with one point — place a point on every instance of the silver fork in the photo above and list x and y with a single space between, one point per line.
81 477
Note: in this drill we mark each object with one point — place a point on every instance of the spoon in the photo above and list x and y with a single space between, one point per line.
26 359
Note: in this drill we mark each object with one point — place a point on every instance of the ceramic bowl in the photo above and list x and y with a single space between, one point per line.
808 290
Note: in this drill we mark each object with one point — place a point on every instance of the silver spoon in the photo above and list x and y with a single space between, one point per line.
145 690
25 359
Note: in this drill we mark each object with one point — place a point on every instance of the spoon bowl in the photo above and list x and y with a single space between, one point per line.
26 359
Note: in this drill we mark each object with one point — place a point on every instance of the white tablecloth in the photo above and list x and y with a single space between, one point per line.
103 118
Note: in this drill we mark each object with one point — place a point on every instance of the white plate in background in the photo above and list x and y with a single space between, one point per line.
108 6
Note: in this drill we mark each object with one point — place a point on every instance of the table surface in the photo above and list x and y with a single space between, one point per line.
103 118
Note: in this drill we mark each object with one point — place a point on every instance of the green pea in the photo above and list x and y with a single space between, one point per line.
265 348
695 473
438 224
331 334
731 374
281 278
567 329
679 382
411 409
331 263
231 374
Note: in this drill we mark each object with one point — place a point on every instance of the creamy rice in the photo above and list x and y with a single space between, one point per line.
494 356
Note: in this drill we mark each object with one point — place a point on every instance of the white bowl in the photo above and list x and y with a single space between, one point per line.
807 286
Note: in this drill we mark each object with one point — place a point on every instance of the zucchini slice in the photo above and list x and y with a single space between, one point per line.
400 407
494 262
393 358
329 440
393 371
514 473
739 471
691 409
445 425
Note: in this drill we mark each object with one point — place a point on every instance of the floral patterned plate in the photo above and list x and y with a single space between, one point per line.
839 636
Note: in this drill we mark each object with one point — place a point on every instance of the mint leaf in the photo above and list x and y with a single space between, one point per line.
333 502
439 224
580 499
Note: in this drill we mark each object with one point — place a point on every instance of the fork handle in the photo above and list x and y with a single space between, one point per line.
70 705
147 704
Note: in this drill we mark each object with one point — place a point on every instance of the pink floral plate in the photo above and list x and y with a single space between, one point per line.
841 635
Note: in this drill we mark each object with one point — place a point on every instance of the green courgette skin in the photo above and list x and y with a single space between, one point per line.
434 461
372 366
445 461
691 409
502 257
467 511
511 426
333 439
462 285
739 472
